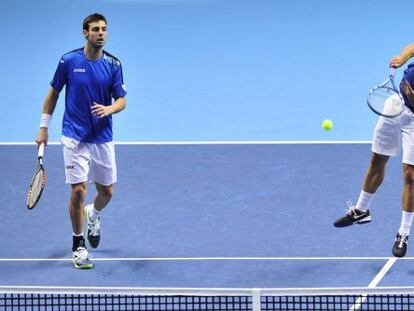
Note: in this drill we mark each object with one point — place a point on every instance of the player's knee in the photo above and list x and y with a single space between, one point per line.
106 192
78 193
378 162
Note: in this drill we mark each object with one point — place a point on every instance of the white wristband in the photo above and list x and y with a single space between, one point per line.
45 120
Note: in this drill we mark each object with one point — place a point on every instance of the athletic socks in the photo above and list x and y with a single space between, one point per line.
406 221
364 200
94 214
78 240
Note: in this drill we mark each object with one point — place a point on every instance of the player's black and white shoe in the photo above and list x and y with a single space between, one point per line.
93 232
353 216
400 245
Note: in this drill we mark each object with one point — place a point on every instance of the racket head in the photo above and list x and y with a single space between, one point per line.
38 182
36 187
385 101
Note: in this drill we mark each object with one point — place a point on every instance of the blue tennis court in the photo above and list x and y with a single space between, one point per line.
208 215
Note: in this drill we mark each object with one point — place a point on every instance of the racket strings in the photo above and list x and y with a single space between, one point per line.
35 189
385 101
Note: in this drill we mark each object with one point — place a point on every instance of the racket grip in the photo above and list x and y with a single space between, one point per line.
41 151
392 71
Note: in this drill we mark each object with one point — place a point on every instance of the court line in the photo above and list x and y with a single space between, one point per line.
205 259
360 301
276 142
289 291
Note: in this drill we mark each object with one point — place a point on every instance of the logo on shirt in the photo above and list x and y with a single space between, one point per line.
79 70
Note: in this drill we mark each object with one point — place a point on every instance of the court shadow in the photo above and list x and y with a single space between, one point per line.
63 253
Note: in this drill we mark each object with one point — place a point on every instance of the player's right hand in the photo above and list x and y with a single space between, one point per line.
42 136
397 61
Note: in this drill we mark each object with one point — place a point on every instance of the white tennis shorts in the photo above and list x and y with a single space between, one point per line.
89 162
392 133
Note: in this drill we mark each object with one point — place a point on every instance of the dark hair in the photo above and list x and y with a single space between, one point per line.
95 17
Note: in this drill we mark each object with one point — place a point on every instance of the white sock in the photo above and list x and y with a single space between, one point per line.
406 221
77 234
364 200
94 214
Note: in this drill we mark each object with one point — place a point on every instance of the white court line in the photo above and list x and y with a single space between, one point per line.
276 142
374 283
290 291
207 259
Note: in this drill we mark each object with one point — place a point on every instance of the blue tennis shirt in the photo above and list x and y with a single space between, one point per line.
408 76
87 82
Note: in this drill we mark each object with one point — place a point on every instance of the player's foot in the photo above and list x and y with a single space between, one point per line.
400 245
81 258
93 233
353 216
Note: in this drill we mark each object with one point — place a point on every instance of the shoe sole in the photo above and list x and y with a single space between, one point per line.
398 256
364 220
90 266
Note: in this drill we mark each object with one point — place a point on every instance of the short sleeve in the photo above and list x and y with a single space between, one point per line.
118 88
60 77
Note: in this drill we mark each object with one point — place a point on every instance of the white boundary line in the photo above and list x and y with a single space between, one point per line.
374 283
202 291
276 142
207 259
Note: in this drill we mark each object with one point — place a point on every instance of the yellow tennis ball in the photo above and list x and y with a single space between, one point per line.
327 125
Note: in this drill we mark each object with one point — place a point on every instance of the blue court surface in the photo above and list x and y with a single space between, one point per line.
208 216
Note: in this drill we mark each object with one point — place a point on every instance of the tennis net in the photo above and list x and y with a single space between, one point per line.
154 299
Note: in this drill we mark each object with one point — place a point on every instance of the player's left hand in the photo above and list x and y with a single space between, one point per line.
101 111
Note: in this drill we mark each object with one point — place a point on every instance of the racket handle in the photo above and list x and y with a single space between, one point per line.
41 151
392 72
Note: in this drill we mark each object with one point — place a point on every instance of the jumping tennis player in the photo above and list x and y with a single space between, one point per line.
389 136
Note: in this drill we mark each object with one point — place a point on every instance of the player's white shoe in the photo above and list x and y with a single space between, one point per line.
81 258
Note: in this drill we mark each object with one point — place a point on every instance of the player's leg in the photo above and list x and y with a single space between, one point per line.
399 248
76 204
103 172
359 214
400 245
386 143
93 212
76 170
103 196
373 179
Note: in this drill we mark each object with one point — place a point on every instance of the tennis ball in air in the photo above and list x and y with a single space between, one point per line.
327 125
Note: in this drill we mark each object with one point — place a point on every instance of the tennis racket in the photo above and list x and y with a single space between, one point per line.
38 182
385 99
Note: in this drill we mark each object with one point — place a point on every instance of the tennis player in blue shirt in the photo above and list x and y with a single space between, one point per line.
94 91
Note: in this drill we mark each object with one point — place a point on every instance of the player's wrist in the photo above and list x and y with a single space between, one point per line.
45 120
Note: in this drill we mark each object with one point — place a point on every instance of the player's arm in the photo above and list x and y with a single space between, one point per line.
101 111
406 53
48 108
